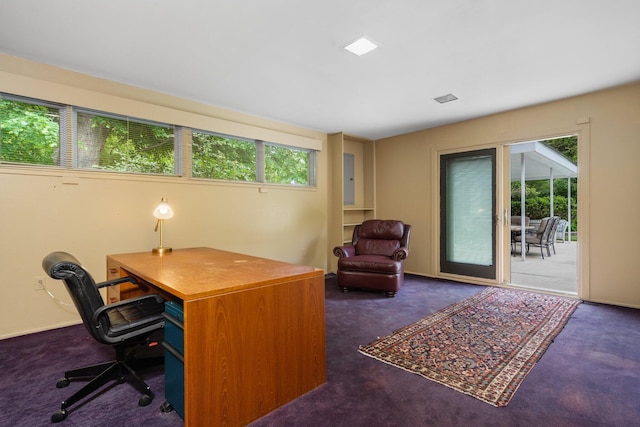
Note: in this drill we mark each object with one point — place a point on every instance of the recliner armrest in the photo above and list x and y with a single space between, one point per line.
117 281
344 251
400 254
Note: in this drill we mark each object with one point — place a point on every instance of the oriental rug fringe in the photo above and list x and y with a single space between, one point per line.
483 346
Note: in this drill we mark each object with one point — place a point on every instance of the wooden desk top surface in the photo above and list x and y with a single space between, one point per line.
201 272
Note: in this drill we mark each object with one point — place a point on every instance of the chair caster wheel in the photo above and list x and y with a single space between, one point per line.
166 407
145 400
59 416
62 383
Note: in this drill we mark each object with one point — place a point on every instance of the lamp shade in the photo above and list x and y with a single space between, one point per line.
163 210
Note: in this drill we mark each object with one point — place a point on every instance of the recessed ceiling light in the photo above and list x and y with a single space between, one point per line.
361 46
446 98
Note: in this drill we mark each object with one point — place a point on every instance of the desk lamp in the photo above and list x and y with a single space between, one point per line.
162 212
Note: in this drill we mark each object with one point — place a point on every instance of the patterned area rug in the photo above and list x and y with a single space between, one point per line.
483 346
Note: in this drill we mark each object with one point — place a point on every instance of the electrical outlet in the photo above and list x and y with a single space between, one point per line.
38 283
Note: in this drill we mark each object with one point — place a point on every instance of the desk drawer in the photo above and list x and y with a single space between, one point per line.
174 356
174 310
174 326
174 378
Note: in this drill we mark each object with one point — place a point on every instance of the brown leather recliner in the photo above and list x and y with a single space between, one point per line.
375 258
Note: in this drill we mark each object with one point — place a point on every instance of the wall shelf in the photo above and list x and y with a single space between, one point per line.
344 217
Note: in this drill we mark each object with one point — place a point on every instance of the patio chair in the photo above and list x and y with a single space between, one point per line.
517 220
541 237
552 234
562 229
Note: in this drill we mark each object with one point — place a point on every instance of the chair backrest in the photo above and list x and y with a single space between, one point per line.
546 225
553 227
562 227
517 220
380 237
544 222
80 285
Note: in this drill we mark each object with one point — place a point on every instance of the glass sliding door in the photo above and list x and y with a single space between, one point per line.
467 212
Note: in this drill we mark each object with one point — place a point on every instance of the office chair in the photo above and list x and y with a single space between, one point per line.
122 325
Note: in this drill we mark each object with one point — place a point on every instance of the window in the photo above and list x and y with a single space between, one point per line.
222 157
287 165
30 131
34 132
123 144
233 158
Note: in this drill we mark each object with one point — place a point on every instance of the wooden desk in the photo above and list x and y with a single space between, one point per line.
254 329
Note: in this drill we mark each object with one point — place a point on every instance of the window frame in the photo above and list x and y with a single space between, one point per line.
183 166
177 158
260 162
311 164
63 119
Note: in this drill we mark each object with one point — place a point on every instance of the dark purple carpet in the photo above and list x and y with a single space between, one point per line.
590 375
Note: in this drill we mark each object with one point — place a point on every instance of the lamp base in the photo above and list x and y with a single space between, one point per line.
161 250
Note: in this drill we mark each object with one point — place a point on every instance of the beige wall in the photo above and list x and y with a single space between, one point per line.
94 214
608 128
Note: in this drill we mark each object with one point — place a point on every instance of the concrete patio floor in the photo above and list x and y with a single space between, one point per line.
557 273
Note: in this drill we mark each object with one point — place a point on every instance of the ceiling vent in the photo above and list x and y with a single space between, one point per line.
446 98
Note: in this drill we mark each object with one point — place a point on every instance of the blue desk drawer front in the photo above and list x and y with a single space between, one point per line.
174 379
175 310
174 328
174 356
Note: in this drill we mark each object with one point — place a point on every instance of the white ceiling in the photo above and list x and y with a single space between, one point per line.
283 59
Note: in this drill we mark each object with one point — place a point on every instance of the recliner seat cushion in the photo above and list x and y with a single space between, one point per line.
370 263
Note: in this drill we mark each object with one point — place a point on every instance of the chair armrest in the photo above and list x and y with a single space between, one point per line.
344 251
100 312
117 281
400 254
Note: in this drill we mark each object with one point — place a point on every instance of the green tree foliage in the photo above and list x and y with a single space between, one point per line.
567 146
29 133
216 157
537 196
128 146
286 166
